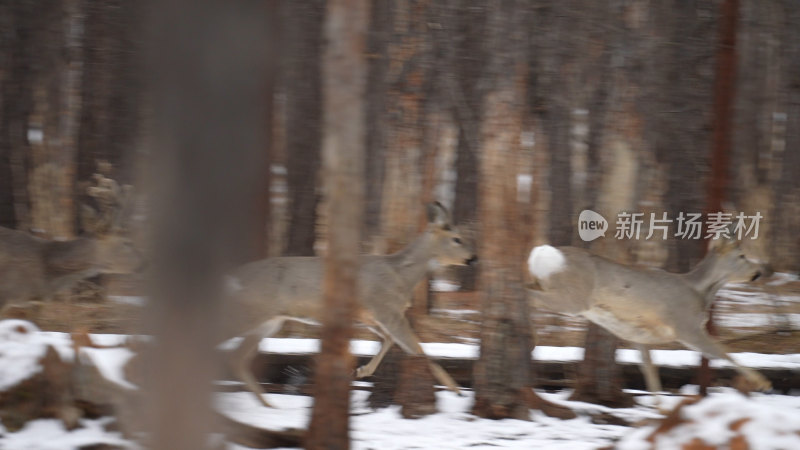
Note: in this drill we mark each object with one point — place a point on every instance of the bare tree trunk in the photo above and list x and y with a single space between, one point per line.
611 176
724 94
681 118
205 196
465 92
502 373
22 31
381 25
785 241
599 377
302 60
405 187
344 86
58 104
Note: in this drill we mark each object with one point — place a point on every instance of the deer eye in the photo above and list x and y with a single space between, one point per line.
741 256
457 240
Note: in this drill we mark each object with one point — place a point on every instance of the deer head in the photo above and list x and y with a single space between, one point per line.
105 224
448 245
731 263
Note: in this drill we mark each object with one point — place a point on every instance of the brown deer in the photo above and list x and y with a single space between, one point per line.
645 306
274 290
36 268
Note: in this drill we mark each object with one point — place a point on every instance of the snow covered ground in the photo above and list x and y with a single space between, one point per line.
455 428
452 428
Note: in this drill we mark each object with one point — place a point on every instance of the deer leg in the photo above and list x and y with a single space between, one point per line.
703 343
401 332
241 358
369 368
650 372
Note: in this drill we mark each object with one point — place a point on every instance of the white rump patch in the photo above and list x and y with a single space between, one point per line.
545 260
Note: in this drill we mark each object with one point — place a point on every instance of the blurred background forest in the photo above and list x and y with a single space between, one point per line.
516 115
608 106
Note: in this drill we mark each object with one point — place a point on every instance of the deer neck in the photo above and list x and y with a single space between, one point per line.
705 279
413 262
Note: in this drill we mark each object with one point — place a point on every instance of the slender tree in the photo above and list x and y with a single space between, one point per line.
724 94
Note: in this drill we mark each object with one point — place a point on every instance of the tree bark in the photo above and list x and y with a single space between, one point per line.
465 92
724 94
381 25
58 104
785 240
302 60
502 373
22 32
111 89
599 377
344 86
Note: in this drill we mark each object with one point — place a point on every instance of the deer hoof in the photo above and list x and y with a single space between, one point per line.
362 372
762 384
263 401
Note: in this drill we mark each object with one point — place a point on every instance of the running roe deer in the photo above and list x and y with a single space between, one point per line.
32 267
273 290
643 305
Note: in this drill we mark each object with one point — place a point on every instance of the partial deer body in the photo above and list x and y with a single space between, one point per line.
643 305
35 268
273 290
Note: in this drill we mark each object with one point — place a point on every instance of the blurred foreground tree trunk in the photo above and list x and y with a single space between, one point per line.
208 68
302 62
344 86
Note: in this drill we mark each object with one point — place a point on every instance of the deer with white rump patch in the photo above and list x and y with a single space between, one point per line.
645 306
271 291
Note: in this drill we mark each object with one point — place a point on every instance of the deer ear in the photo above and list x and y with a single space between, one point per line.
722 243
438 215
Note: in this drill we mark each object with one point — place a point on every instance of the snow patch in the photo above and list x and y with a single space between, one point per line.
545 260
21 348
111 363
718 419
50 434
